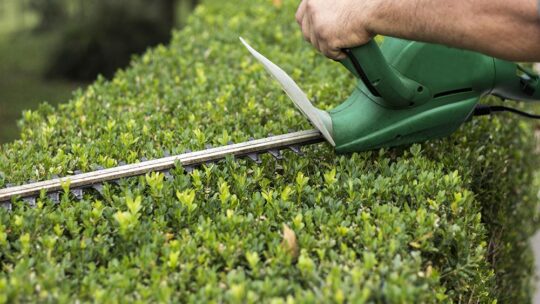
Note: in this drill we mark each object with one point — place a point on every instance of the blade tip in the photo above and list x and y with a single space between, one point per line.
244 42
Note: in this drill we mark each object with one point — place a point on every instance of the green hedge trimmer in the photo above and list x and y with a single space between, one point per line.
407 92
410 92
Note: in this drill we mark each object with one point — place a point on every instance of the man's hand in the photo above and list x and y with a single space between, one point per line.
334 25
508 29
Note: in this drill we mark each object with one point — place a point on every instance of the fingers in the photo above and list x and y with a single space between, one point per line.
335 54
306 29
329 51
326 44
331 48
313 35
328 47
306 26
338 55
301 12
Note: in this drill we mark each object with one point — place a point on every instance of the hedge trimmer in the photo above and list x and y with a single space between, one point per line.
407 92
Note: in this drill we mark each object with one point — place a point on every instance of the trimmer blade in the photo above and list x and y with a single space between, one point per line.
296 94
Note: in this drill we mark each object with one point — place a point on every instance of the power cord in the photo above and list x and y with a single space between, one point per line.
482 110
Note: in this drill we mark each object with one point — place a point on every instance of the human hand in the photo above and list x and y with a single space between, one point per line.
334 25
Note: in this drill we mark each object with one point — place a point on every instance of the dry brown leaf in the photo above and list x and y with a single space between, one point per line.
429 271
221 248
415 245
289 242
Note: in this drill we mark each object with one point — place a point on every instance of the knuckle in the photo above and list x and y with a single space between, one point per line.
312 7
322 31
334 44
329 54
298 17
309 5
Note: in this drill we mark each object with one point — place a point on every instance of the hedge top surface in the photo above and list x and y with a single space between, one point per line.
386 226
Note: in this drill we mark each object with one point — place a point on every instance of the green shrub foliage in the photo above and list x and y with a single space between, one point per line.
444 221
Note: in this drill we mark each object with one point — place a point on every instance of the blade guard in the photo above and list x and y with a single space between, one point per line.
318 118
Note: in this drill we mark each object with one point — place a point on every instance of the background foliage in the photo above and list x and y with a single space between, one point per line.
445 221
48 48
105 34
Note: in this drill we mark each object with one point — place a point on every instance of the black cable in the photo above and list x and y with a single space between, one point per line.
361 73
482 110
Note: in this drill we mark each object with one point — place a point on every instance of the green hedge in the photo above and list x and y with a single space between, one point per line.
445 221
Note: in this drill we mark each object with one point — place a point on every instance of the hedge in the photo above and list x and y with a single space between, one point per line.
443 221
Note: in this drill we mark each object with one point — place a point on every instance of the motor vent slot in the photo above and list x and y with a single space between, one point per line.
452 92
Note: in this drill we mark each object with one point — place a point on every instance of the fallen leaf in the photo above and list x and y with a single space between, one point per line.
429 271
289 242
415 245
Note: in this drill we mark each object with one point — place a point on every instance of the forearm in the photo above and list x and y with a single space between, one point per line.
501 28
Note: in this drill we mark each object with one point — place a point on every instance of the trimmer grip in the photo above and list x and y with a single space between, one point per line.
515 82
367 63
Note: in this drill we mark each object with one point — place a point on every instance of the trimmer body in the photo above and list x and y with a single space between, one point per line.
411 92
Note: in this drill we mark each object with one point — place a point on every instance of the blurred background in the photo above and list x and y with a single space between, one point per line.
48 48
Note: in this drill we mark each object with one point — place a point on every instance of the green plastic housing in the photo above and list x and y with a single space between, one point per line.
418 91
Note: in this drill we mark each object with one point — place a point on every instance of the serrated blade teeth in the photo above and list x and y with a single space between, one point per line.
81 182
78 193
98 188
297 150
168 175
54 197
276 154
31 201
255 158
6 205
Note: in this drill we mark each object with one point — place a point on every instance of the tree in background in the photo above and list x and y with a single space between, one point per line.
51 12
100 36
168 12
